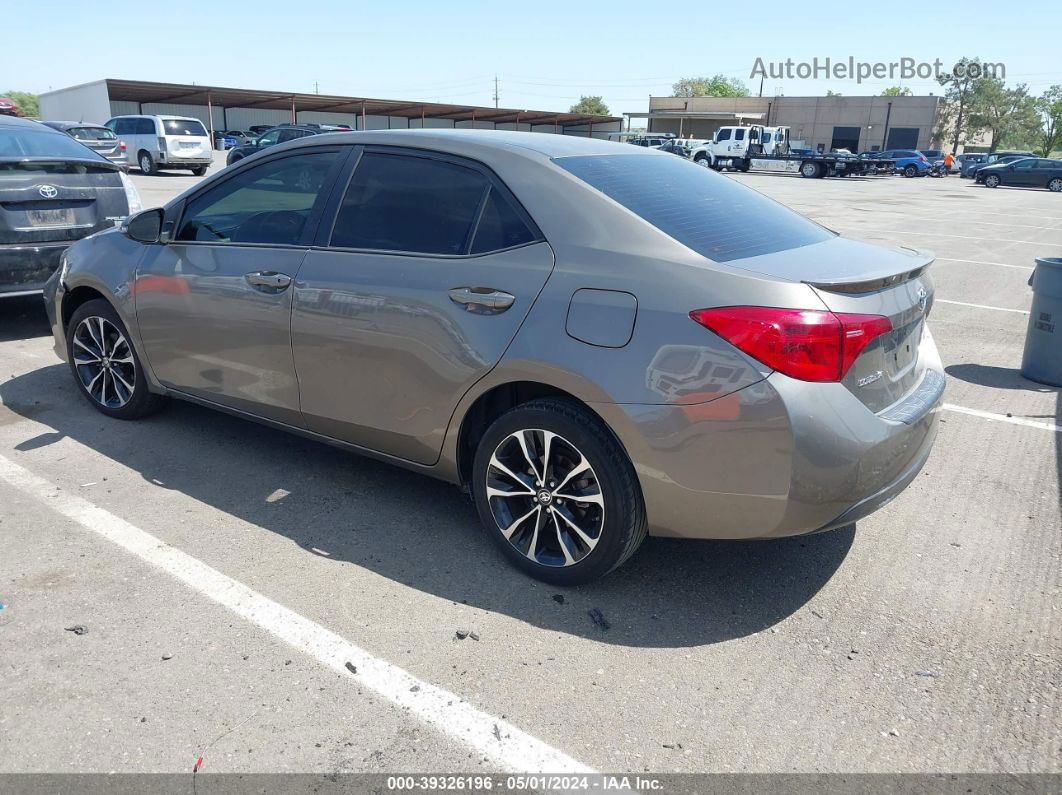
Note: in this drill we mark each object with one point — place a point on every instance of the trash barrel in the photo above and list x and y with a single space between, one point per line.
1042 361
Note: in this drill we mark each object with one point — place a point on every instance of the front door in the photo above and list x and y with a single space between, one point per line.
214 305
428 272
1023 172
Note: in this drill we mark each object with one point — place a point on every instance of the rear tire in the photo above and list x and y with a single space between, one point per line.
106 368
543 527
199 171
1055 185
146 163
809 170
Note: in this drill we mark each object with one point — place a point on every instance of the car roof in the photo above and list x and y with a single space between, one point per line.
66 125
14 121
548 145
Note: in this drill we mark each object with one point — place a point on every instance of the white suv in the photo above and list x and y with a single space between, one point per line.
158 142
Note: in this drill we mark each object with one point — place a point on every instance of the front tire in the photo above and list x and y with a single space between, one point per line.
910 171
556 492
106 368
992 181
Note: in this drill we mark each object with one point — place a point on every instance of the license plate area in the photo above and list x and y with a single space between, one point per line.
901 347
63 216
188 144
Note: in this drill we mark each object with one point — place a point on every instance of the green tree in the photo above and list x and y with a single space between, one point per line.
714 86
1049 106
590 105
955 109
896 91
1008 114
27 103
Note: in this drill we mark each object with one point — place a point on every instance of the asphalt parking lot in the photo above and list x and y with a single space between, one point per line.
226 574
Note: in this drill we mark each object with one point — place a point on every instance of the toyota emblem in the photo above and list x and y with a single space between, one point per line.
923 298
48 191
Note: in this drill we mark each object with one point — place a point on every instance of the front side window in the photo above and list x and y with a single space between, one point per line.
269 203
409 204
184 127
1025 164
723 135
270 138
713 215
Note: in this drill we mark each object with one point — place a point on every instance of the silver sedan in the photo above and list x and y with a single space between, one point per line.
597 341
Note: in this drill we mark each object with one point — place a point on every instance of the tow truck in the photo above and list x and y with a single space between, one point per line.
758 148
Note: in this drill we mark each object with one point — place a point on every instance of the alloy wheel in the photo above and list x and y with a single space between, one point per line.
1055 185
104 362
545 497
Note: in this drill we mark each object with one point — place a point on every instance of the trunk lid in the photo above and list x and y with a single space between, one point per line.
45 200
858 278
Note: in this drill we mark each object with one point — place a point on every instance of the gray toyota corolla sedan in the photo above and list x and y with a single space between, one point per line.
595 340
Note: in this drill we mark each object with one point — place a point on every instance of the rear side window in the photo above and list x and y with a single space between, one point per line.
269 203
144 127
183 127
500 225
739 135
714 215
409 204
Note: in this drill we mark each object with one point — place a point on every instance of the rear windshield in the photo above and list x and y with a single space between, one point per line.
92 133
714 215
184 127
43 143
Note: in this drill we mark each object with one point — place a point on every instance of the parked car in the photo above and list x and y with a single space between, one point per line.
1026 172
933 155
652 141
164 142
8 107
681 146
968 157
909 162
242 137
278 135
991 158
96 137
53 191
581 332
258 129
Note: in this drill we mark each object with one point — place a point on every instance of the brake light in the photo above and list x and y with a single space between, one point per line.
121 145
162 144
807 344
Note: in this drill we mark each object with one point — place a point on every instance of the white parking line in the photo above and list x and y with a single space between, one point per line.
508 746
988 415
981 306
940 234
981 262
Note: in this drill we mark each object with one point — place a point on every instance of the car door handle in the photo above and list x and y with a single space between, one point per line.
270 279
484 300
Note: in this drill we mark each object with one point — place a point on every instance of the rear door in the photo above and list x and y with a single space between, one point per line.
214 305
411 298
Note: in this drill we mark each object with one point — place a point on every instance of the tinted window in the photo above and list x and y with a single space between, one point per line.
269 138
711 214
270 203
144 127
724 135
123 126
183 127
290 135
1023 164
91 133
500 226
739 135
1052 164
45 142
404 203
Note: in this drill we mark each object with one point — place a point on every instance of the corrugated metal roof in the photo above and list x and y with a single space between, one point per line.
145 91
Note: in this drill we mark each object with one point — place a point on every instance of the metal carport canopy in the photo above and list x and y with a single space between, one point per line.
144 92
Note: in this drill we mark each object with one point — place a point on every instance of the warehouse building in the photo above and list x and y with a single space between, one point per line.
858 124
238 109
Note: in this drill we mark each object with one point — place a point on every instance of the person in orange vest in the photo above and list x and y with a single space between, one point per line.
949 160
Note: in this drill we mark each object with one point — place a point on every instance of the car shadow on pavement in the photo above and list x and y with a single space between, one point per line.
424 533
23 318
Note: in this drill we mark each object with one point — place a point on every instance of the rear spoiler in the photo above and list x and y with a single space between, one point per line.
85 161
875 283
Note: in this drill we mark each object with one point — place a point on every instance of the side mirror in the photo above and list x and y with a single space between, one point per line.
145 226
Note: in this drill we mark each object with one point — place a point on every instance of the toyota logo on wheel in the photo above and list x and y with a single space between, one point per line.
48 191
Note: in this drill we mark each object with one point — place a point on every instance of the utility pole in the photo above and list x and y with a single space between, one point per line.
761 85
316 91
495 91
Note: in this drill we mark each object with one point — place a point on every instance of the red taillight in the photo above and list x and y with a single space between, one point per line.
809 344
121 145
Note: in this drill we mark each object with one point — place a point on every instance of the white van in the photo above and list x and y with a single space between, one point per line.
164 142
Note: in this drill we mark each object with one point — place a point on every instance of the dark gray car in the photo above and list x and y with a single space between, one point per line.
96 137
596 340
53 191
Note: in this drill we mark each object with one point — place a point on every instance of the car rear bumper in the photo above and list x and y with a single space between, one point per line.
25 268
778 458
170 159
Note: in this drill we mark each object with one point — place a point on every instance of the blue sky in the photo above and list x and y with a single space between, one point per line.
545 54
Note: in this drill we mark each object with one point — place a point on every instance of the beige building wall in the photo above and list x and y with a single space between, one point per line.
813 120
